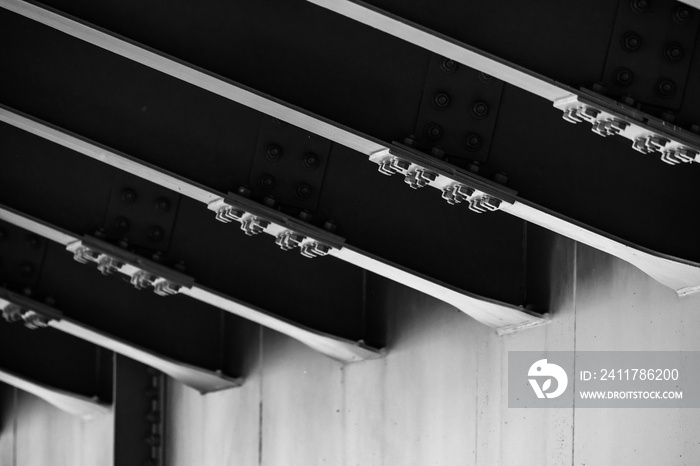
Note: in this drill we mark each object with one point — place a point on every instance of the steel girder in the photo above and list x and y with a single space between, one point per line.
676 272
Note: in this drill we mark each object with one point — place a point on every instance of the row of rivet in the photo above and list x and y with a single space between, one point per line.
286 239
141 279
644 144
456 193
155 418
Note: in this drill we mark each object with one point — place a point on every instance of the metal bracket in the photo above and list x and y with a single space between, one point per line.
289 234
142 273
609 120
479 193
289 165
458 111
16 308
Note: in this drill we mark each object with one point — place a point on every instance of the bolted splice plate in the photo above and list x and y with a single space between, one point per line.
289 165
457 112
141 212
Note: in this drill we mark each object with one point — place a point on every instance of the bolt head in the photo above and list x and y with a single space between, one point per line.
473 142
121 224
639 6
156 233
437 152
480 110
441 100
267 181
330 226
483 77
433 131
243 191
666 88
631 42
624 77
273 152
304 191
448 66
674 52
310 160
682 14
500 178
162 204
129 196
599 88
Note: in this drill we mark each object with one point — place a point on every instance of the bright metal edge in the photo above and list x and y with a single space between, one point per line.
546 319
674 272
677 274
334 347
202 380
504 314
102 154
470 56
36 226
192 75
340 349
688 291
449 48
72 403
693 3
489 312
264 104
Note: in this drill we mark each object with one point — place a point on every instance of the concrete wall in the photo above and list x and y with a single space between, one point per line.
439 397
35 433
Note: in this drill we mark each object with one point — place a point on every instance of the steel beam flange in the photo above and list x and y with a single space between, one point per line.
681 275
15 307
672 143
693 3
614 118
341 349
72 403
